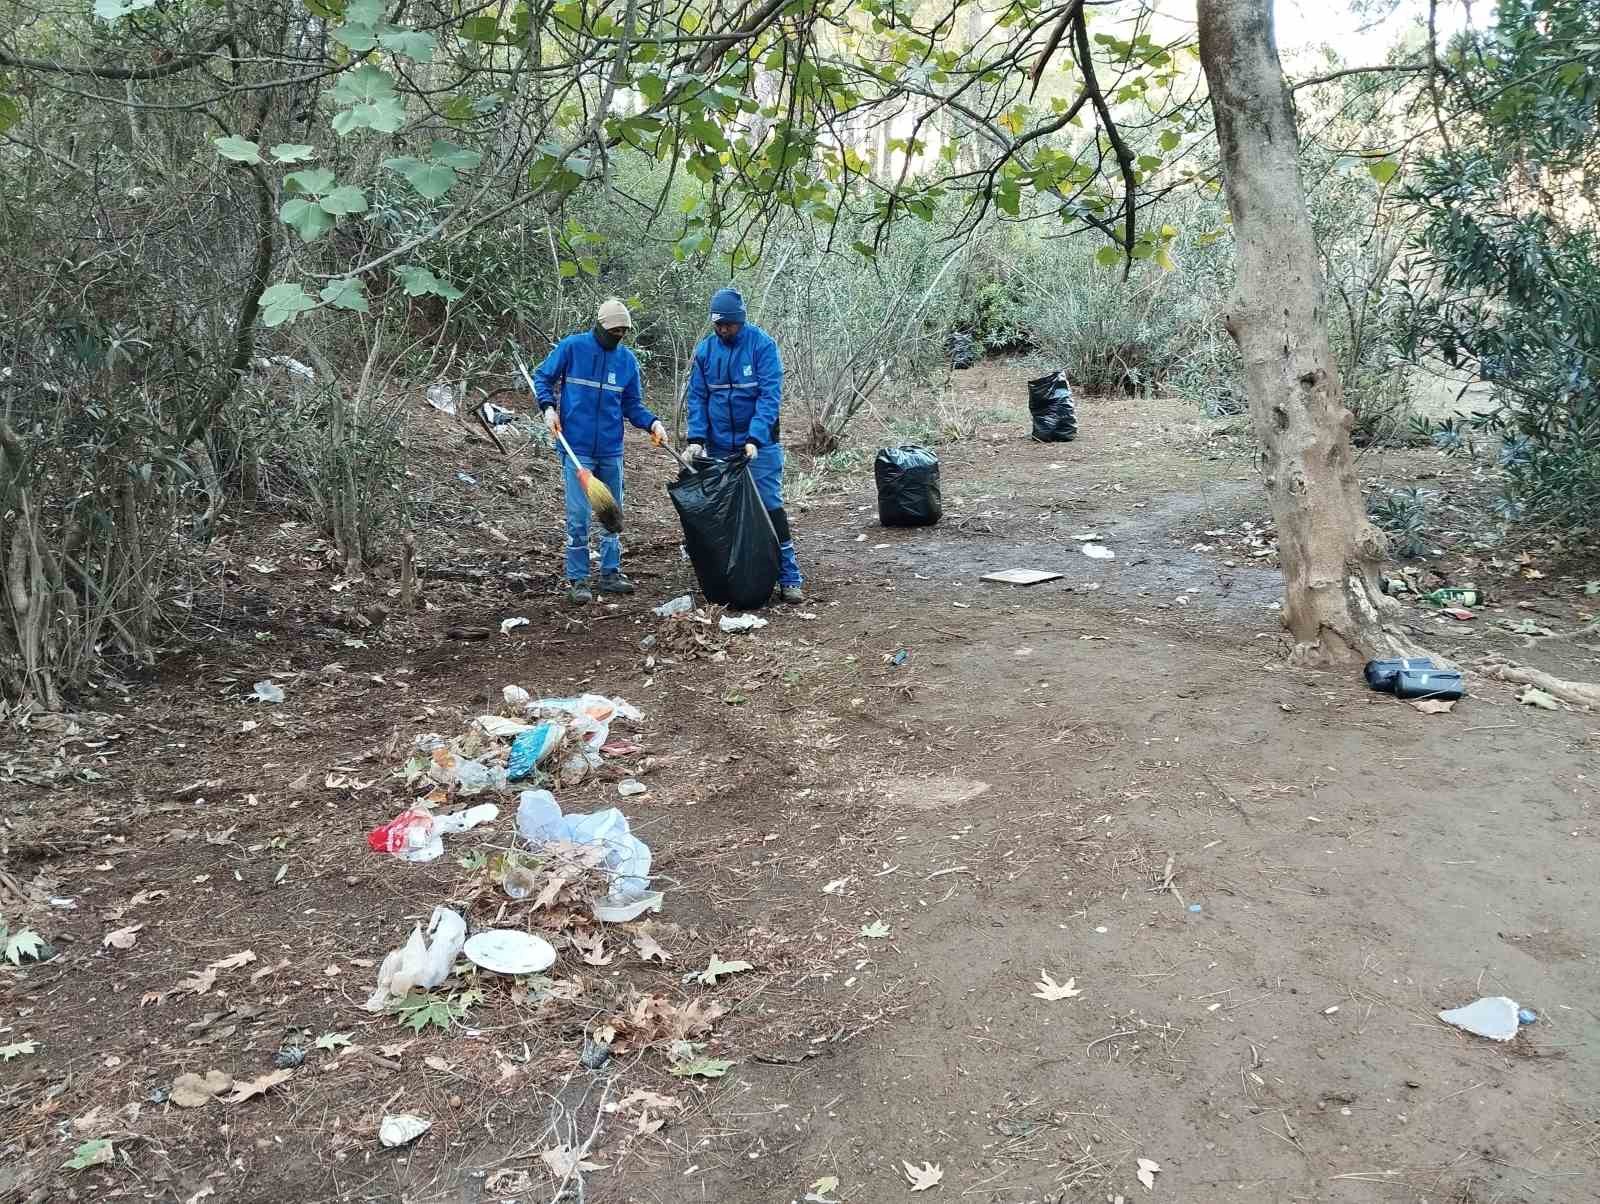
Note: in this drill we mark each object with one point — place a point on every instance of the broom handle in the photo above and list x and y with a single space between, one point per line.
565 446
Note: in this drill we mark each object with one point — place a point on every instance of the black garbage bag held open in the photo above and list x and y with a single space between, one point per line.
908 486
727 533
1055 418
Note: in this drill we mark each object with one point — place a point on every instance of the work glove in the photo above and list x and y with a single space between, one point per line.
658 433
694 452
552 420
750 450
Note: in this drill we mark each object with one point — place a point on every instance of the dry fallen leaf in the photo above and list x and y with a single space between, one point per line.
1052 990
122 938
205 1193
1147 1173
260 1086
650 1099
1434 706
592 945
648 948
647 1124
435 1063
266 970
234 961
199 982
192 1091
565 1161
1535 697
922 1178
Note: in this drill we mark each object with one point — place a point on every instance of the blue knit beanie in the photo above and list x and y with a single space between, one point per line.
727 306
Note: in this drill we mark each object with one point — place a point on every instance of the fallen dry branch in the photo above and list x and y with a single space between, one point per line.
1578 693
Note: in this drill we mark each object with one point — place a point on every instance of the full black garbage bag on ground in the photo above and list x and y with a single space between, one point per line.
1055 418
908 486
727 533
962 348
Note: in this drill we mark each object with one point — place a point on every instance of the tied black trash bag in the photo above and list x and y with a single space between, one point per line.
727 533
908 486
1055 418
962 348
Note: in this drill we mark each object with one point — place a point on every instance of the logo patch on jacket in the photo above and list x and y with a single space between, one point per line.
611 378
749 369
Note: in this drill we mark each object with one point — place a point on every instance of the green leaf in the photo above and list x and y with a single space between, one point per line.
420 282
348 293
570 14
293 152
568 269
237 150
345 199
90 1153
283 302
460 108
358 38
451 155
1383 170
307 218
1170 139
115 10
414 44
316 181
708 1068
1108 257
387 116
590 265
363 12
332 1041
480 29
327 10
10 112
19 1049
877 930
431 180
420 1010
24 942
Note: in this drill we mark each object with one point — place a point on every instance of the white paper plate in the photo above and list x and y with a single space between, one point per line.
507 951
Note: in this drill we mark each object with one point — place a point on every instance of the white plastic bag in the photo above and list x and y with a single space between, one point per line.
420 964
627 860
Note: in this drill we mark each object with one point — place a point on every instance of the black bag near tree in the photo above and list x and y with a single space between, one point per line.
727 533
1055 418
908 486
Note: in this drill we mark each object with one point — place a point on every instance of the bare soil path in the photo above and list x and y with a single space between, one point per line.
1264 883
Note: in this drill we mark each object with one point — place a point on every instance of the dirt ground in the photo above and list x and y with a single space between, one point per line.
1263 882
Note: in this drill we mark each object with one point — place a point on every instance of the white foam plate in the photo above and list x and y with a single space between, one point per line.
507 951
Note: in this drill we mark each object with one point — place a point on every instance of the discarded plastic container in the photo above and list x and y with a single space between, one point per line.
962 348
268 691
1382 674
1444 684
682 604
1454 596
508 951
518 881
537 813
531 747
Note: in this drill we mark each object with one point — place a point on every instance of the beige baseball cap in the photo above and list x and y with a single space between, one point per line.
614 314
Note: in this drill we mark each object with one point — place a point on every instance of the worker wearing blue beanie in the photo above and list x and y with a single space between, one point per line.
735 391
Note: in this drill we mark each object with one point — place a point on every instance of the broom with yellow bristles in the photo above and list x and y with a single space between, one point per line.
606 511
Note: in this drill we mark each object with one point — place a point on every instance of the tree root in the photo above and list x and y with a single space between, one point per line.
1578 693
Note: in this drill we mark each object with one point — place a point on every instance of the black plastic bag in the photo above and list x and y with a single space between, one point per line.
727 533
1055 418
908 486
962 348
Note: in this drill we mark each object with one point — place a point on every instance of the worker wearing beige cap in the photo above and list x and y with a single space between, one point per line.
586 386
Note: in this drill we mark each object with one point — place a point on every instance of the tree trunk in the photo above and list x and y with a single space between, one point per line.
1333 605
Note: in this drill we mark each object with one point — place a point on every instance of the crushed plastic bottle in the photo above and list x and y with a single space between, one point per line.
531 747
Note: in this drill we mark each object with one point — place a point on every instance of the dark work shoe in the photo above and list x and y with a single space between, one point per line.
615 583
579 592
792 594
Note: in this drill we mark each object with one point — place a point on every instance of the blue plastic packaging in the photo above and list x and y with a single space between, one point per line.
531 747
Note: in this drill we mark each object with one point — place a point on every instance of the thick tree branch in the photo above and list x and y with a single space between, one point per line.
175 67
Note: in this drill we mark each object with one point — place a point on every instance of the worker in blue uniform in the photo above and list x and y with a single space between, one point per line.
734 395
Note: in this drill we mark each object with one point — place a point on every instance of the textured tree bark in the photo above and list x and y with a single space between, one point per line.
1334 607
